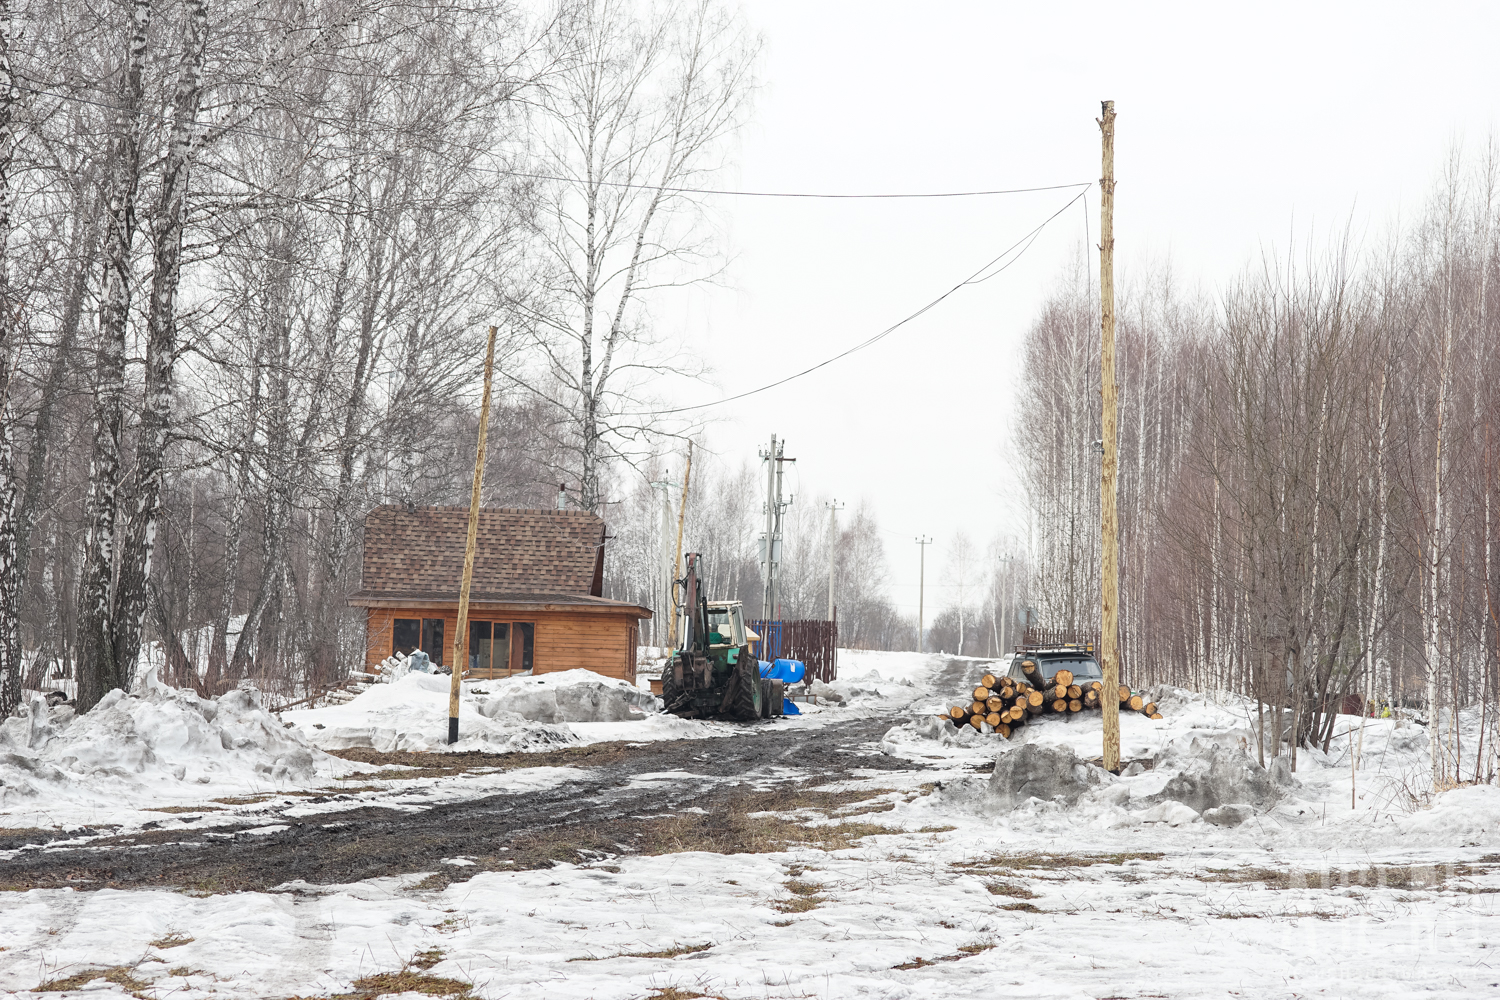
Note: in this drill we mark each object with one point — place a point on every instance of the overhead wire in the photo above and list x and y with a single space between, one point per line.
977 277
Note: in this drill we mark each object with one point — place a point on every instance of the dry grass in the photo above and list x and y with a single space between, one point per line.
407 981
966 951
937 829
1022 908
1004 864
1010 889
245 800
679 993
172 940
425 960
119 975
176 810
676 951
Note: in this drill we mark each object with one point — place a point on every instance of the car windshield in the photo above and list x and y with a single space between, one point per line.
1083 668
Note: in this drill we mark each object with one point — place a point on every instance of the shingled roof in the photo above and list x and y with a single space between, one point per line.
520 555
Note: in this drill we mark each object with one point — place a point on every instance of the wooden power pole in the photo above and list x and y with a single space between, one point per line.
461 640
687 475
1109 626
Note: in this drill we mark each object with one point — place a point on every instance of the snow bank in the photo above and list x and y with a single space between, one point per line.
157 747
567 696
412 714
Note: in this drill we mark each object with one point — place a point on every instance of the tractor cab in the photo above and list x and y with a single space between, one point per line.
726 625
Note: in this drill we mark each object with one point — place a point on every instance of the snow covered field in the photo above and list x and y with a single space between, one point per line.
959 888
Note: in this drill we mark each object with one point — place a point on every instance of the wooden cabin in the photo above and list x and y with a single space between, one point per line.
534 604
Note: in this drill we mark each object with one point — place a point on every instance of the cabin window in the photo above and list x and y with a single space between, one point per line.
501 647
406 635
432 639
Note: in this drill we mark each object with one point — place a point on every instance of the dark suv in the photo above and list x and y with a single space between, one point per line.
1051 659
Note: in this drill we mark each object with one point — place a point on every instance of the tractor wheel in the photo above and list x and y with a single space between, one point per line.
747 700
778 699
765 697
670 692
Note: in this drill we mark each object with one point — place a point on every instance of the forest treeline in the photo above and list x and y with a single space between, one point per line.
249 255
1309 468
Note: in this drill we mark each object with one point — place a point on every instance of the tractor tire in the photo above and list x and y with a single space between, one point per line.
747 701
778 699
765 697
670 692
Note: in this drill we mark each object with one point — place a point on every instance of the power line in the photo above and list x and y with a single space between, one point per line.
532 175
973 279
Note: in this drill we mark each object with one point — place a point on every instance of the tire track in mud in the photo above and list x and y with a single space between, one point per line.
375 840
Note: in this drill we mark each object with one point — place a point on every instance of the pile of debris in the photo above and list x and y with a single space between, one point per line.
1002 704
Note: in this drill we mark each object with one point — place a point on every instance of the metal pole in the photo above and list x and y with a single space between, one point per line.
1109 631
461 640
766 569
923 541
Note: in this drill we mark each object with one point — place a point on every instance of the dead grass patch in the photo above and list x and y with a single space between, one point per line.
407 981
937 829
966 951
1022 908
1003 864
119 975
679 993
172 940
245 800
676 951
1011 889
425 960
177 810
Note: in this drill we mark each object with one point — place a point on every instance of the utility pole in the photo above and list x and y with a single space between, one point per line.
1109 630
923 541
677 555
833 538
461 640
770 557
662 623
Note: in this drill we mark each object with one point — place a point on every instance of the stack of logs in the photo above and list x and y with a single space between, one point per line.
1000 705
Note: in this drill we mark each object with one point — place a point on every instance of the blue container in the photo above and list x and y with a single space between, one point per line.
790 671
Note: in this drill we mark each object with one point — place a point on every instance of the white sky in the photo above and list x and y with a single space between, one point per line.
1239 127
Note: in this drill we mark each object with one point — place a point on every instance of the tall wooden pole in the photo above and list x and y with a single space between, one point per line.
687 475
461 640
1109 629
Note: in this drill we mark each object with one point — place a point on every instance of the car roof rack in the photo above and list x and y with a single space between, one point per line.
1056 647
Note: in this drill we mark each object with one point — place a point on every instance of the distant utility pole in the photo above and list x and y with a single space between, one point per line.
923 541
663 622
833 540
770 553
461 640
1109 630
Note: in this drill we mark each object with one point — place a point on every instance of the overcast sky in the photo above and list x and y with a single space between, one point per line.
1240 127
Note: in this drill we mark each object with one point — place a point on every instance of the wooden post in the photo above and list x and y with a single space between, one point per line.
1109 630
687 475
461 640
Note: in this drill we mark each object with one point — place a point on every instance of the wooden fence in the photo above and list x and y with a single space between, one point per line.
813 642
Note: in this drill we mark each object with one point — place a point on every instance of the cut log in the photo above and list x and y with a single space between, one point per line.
1091 698
993 719
994 704
1156 716
1124 693
1034 700
1032 671
1063 677
989 680
1137 703
978 708
1096 686
1074 705
1058 691
957 712
981 693
1074 691
1059 704
1003 730
976 721
1149 708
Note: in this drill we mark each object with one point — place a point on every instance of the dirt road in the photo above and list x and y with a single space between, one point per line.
605 811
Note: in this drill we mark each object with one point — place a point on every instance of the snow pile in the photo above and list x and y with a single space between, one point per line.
158 746
568 696
411 713
1039 772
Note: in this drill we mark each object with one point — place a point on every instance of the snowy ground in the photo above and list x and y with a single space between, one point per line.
1374 889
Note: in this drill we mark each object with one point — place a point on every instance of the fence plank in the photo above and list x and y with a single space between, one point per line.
814 642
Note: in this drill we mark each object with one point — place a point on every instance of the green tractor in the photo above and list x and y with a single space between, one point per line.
713 674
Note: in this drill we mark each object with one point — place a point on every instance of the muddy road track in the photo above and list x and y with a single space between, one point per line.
605 811
715 800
